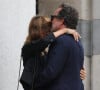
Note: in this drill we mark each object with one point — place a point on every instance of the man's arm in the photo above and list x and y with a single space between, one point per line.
56 61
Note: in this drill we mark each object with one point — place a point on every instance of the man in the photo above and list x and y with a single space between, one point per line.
65 57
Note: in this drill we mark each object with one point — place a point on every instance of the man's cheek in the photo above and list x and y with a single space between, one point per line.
56 24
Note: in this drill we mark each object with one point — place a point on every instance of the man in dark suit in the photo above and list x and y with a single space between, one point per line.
65 57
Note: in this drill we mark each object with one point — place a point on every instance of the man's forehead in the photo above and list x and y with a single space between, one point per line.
56 12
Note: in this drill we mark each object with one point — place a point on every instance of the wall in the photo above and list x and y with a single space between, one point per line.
14 19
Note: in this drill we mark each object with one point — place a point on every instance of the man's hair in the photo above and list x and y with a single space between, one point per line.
70 16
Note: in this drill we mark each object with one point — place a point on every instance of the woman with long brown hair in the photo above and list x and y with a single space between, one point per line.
33 50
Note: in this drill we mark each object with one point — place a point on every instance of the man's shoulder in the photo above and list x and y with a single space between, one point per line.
68 40
65 38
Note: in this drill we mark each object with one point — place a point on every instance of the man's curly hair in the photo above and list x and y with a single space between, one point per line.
70 16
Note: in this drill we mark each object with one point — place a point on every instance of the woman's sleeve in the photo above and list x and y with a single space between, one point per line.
46 41
37 46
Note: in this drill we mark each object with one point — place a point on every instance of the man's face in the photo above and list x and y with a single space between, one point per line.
56 22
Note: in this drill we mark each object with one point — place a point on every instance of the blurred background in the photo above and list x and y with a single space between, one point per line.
14 19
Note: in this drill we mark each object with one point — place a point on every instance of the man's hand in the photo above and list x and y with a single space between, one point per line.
83 74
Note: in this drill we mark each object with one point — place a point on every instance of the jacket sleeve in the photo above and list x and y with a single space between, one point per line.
56 60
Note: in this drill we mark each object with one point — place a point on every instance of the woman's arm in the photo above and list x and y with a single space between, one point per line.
75 34
38 46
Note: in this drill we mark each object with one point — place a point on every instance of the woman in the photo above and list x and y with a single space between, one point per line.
33 51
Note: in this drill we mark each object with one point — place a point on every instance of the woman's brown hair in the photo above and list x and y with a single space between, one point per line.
39 27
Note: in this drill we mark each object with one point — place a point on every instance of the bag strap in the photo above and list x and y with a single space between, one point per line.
19 73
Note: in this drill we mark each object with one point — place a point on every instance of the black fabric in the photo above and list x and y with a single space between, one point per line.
36 47
26 86
31 70
65 60
33 62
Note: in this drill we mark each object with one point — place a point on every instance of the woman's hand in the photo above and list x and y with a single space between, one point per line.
83 74
75 34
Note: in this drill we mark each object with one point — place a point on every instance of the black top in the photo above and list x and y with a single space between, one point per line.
32 59
36 47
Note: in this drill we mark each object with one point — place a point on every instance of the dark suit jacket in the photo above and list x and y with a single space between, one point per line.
65 60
